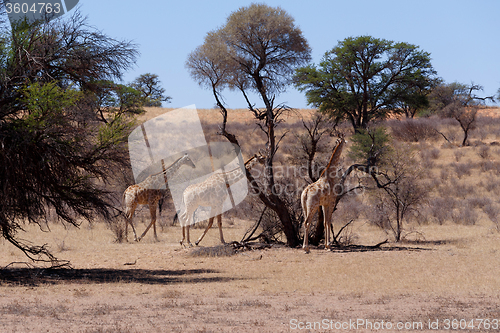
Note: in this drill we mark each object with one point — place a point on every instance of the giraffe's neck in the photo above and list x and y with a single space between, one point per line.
169 171
234 176
330 172
158 179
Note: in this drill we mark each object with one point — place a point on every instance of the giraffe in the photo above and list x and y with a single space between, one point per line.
323 192
212 192
148 193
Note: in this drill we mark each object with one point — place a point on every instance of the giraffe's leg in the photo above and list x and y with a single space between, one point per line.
219 222
305 211
210 222
154 231
133 229
187 219
126 229
327 225
152 211
185 236
185 231
307 223
182 221
129 214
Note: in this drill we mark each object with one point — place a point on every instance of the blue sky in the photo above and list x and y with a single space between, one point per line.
463 37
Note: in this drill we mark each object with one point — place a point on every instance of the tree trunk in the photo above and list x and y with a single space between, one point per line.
281 210
272 201
466 135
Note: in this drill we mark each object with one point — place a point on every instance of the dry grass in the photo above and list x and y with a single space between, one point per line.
452 270
448 267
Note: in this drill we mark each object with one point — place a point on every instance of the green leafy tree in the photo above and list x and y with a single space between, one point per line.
256 51
365 78
51 157
111 100
149 87
414 100
370 145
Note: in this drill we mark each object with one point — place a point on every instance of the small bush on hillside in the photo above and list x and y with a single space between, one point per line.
462 169
483 152
465 214
493 212
458 154
440 208
414 130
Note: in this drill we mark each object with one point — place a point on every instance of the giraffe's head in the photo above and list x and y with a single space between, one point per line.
187 161
341 138
256 158
260 157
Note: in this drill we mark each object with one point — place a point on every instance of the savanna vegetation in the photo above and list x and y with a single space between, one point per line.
420 178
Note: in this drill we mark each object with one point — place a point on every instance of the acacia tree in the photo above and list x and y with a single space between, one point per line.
149 85
49 158
257 50
365 78
396 175
460 102
414 99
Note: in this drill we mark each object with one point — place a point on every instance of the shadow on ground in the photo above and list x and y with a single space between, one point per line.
39 276
365 248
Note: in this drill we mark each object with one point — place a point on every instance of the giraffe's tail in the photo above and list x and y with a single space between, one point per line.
176 217
160 204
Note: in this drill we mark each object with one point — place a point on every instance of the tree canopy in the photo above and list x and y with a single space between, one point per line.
458 101
150 90
365 78
54 149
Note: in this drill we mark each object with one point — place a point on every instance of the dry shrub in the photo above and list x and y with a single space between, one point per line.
465 214
459 153
481 132
434 153
117 226
426 160
378 214
440 209
487 165
493 211
428 156
479 202
350 208
414 130
492 185
462 169
483 152
444 174
272 229
461 190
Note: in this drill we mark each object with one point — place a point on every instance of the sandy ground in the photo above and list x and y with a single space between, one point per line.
161 287
448 281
